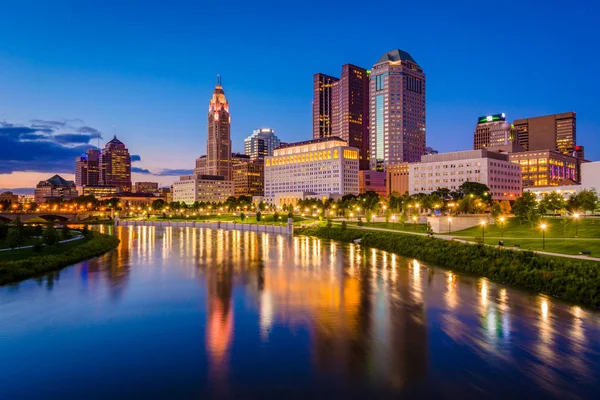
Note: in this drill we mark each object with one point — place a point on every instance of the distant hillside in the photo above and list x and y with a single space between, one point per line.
18 190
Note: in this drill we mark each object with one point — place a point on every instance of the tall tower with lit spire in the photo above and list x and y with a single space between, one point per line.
218 144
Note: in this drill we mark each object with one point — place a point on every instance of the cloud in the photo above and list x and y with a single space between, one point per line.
72 138
93 132
43 146
135 157
140 170
174 172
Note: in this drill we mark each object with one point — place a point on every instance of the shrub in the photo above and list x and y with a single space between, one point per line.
37 246
3 231
360 223
65 232
258 216
85 231
50 235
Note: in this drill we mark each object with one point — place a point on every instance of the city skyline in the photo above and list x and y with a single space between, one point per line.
152 104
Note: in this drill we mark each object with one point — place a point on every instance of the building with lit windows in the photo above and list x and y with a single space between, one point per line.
556 132
261 143
323 105
115 166
249 178
590 180
87 169
396 110
145 187
218 144
55 188
450 170
321 167
9 197
397 178
546 168
341 109
205 188
493 130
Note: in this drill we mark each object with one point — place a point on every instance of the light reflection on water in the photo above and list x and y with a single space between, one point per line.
180 312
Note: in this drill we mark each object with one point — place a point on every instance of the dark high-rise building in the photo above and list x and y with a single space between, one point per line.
115 163
218 144
341 108
556 132
323 86
87 169
397 110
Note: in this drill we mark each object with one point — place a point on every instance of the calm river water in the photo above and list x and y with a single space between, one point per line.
185 313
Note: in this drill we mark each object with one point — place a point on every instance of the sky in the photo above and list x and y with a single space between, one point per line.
73 72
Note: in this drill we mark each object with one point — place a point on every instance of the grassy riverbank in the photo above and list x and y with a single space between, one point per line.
573 280
22 264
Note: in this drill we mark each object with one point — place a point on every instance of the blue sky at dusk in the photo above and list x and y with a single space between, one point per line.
146 70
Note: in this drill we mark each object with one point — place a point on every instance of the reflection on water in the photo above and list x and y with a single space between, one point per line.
185 312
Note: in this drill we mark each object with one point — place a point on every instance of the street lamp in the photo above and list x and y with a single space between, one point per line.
576 216
414 223
502 219
449 225
543 226
393 221
483 231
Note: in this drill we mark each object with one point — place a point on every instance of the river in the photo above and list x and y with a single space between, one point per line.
190 313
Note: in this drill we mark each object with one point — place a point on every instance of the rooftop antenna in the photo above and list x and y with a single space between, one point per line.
218 80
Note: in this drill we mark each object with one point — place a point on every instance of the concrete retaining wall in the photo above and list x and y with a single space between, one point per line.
283 230
440 224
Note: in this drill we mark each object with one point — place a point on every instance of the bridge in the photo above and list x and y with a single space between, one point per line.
49 216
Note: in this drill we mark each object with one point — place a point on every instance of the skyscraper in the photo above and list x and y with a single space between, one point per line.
556 132
218 144
115 164
87 168
397 110
341 108
261 143
323 86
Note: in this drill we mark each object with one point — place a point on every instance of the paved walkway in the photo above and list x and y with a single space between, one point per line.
461 239
62 241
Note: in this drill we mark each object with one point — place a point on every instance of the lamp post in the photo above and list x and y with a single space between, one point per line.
483 231
502 219
449 225
543 226
393 221
414 223
576 216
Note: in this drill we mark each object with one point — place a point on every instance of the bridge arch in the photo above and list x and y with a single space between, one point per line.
53 218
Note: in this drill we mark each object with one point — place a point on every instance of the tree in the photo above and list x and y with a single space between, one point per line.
369 216
3 231
523 205
476 189
158 204
387 215
14 239
65 232
403 218
505 207
552 201
533 214
495 210
50 236
242 216
588 200
258 216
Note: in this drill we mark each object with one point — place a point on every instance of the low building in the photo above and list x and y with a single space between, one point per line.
546 168
450 170
128 200
249 178
145 187
204 188
9 196
397 178
326 166
372 181
590 180
99 191
55 188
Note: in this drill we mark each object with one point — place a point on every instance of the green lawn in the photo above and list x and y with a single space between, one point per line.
570 246
14 255
586 228
28 241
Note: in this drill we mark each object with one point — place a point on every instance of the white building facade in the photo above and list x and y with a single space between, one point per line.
321 167
450 170
202 188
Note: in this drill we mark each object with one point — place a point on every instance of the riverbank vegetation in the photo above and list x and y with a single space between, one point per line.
16 265
573 280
